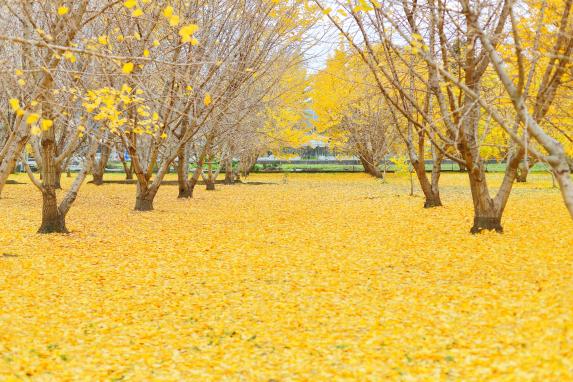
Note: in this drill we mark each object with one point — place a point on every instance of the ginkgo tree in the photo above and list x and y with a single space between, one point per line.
149 75
350 110
458 45
43 40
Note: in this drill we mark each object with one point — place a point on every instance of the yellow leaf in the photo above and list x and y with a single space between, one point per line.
168 11
174 20
187 31
32 118
127 67
130 3
207 101
14 104
63 10
46 124
69 56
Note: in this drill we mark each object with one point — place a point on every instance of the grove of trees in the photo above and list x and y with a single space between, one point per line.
465 80
216 81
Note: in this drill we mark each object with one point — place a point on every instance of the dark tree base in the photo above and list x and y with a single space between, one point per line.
486 224
97 180
184 193
521 179
142 204
431 203
54 226
210 186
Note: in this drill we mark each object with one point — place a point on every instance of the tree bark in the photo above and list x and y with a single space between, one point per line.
53 221
198 171
192 184
433 199
430 190
209 181
144 199
99 167
182 174
210 185
127 169
97 179
370 167
486 214
129 172
143 203
58 180
229 177
522 172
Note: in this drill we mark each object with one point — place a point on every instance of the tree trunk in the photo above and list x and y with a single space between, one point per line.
191 188
210 185
433 198
370 167
58 180
182 174
144 199
209 181
143 203
198 171
129 172
487 216
53 221
97 179
431 190
127 169
522 172
99 167
229 178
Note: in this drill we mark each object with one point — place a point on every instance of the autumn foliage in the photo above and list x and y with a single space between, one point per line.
411 273
327 277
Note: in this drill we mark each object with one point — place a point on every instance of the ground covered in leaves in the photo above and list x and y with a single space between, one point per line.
327 277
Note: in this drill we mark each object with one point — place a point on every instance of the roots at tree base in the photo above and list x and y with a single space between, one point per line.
97 180
482 223
184 193
56 225
143 204
431 203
